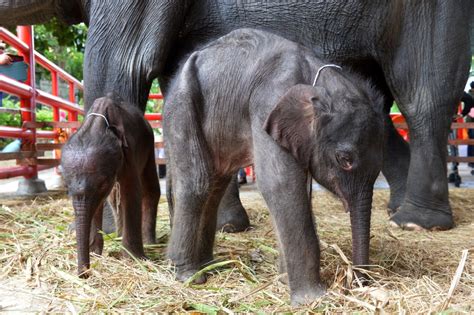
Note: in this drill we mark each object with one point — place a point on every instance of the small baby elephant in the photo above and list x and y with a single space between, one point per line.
114 148
252 96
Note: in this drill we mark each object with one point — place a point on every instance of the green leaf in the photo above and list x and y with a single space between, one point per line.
208 309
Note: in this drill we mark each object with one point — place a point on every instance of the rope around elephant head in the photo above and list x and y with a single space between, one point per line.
100 115
321 68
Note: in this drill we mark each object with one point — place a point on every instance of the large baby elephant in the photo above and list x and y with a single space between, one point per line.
97 157
247 97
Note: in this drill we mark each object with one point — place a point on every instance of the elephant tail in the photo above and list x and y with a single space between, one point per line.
169 197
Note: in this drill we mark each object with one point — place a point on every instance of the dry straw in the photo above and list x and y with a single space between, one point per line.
411 272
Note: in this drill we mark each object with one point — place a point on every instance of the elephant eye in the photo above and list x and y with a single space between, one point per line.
345 160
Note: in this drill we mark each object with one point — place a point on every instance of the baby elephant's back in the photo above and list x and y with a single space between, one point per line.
236 66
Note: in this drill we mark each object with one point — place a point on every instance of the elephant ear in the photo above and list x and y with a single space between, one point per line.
116 114
291 121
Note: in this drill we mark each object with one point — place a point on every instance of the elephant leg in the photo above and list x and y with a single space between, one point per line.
426 204
151 197
96 240
427 79
283 185
109 217
196 198
232 216
209 219
428 103
395 165
130 213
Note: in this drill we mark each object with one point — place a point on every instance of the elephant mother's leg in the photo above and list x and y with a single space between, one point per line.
426 69
427 82
231 216
426 203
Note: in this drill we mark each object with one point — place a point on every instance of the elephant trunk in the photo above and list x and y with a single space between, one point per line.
360 211
83 225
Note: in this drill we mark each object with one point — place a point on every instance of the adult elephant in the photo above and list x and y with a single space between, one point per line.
416 52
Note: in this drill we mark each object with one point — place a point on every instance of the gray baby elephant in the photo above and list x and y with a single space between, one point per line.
115 144
248 98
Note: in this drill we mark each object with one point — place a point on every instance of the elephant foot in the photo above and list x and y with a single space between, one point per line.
231 215
233 219
283 278
183 276
96 244
84 272
149 240
395 202
397 196
413 218
126 255
307 296
137 253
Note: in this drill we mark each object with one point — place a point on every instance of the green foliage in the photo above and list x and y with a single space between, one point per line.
9 119
44 114
154 106
63 45
14 120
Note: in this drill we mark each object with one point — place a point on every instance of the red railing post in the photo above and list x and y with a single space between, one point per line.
56 113
28 106
55 92
72 96
72 116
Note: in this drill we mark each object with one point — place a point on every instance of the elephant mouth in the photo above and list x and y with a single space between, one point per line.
343 197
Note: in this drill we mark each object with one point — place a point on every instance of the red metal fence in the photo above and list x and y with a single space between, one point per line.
461 138
28 159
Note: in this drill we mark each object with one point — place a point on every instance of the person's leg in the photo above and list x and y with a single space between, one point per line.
470 148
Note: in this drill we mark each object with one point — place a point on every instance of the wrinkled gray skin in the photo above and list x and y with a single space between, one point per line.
99 156
416 52
246 98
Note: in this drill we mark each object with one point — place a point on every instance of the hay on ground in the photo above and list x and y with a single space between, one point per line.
412 272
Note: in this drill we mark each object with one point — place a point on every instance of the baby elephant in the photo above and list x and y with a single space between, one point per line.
248 97
115 144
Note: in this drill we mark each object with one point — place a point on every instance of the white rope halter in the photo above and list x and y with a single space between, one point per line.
100 115
321 68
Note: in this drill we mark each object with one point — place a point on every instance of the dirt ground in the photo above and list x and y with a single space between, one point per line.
412 272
